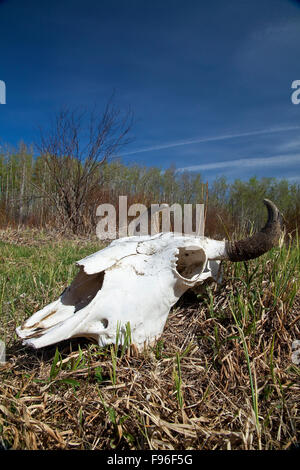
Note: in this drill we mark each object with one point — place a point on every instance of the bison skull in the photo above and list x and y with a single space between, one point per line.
137 280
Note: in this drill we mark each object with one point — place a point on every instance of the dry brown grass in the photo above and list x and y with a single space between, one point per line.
191 391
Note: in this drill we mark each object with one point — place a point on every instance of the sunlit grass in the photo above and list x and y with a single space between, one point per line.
219 377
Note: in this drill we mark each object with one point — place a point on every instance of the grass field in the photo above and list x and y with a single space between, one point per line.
220 377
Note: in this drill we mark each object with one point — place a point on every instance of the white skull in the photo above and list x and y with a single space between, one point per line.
137 280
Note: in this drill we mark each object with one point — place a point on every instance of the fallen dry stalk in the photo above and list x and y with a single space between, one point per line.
80 408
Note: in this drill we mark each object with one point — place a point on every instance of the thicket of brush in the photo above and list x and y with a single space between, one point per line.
220 377
31 195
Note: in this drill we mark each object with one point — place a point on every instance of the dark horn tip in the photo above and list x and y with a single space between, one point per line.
275 218
261 242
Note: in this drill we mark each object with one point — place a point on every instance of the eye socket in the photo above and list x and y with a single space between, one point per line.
104 322
190 262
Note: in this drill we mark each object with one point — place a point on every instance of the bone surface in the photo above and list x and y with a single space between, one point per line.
135 281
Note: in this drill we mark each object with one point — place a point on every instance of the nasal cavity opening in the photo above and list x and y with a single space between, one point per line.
104 322
190 262
83 289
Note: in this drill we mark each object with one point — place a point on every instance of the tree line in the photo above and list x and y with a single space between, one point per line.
73 168
29 196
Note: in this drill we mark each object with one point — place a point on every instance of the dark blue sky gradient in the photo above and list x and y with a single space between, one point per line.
217 74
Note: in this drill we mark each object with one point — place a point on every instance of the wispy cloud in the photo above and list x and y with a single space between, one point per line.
216 138
293 179
278 160
293 144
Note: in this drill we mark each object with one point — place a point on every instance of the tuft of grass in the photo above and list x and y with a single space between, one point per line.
178 381
220 376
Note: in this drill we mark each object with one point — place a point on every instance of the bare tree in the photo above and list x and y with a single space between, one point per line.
74 148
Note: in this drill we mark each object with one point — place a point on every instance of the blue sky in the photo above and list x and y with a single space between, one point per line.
209 82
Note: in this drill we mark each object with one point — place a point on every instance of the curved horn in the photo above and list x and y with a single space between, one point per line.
261 242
